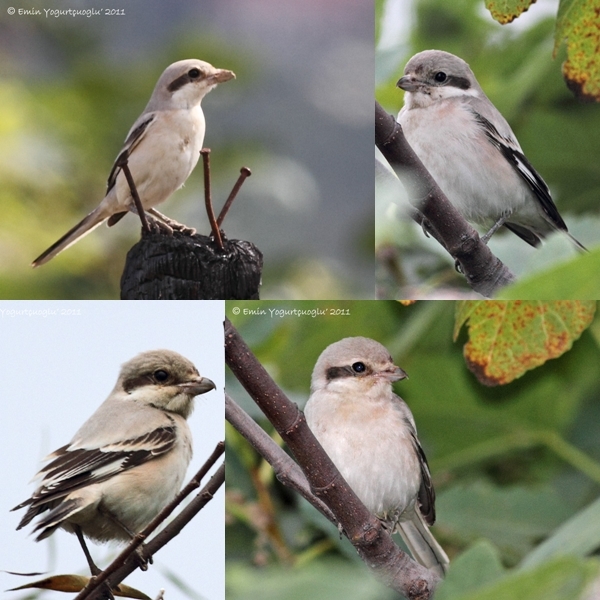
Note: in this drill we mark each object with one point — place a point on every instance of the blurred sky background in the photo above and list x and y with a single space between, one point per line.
57 367
299 115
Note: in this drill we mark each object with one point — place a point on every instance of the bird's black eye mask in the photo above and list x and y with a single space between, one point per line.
356 369
442 78
157 376
193 74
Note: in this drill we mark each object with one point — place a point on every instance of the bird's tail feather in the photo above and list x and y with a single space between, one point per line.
577 243
422 545
56 516
82 228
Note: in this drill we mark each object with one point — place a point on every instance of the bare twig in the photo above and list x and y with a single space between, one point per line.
286 470
124 558
245 172
207 198
122 162
372 542
485 273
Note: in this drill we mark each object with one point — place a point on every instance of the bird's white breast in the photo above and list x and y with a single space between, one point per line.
472 173
369 444
165 157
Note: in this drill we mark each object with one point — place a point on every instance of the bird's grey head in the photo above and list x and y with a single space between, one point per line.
184 83
354 358
164 379
438 74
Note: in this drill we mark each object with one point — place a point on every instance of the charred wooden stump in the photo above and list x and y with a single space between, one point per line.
184 267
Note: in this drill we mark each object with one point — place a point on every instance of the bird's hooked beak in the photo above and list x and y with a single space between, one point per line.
408 83
220 75
393 373
197 386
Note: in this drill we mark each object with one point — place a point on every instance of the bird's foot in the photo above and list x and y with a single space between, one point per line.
171 224
142 558
501 220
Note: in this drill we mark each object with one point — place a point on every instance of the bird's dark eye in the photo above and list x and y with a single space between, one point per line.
440 76
359 367
194 73
161 375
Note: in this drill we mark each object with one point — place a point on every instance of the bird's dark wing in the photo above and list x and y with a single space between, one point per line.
133 139
523 167
75 468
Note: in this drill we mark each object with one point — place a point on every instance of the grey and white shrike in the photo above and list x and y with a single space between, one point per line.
471 151
163 147
127 461
370 435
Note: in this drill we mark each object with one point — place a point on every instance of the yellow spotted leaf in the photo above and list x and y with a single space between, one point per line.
578 24
505 11
508 338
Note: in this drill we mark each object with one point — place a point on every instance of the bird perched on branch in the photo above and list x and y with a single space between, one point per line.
471 151
162 149
370 435
127 461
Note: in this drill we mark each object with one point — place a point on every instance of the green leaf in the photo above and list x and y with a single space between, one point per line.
579 536
576 278
512 518
477 566
330 579
564 579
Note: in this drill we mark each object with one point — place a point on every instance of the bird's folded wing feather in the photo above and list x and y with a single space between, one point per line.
135 136
511 151
426 494
74 468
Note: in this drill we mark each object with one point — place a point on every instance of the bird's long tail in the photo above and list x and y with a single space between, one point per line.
82 228
422 545
577 243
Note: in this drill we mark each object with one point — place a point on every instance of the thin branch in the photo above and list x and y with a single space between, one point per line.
124 559
284 467
485 273
122 162
365 532
245 172
207 198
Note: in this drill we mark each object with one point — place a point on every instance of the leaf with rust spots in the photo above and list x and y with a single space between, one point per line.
508 338
505 11
578 23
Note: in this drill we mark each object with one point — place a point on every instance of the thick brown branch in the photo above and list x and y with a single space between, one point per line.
484 272
372 542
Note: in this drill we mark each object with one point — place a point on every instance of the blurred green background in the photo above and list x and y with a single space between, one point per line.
514 65
516 467
299 115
